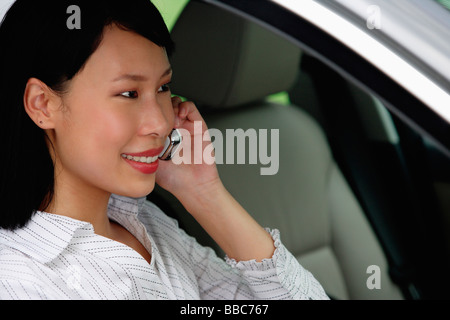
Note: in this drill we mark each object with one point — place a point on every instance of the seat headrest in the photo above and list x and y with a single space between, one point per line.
223 60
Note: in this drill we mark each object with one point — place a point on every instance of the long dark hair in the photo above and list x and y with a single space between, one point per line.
37 41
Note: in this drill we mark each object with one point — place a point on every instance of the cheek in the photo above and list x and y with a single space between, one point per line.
93 135
168 111
110 130
90 148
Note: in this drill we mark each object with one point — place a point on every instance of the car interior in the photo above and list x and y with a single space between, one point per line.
356 187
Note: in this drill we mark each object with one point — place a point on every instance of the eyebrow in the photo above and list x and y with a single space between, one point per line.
138 77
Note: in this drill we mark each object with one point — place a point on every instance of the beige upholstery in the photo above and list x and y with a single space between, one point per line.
242 48
230 65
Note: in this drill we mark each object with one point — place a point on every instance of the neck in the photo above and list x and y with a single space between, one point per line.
82 203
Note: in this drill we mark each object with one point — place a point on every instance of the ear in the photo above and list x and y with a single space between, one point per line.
40 102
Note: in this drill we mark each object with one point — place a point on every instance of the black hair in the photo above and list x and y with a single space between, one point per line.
37 41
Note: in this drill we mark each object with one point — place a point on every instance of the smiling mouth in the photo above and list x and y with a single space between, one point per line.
145 162
139 159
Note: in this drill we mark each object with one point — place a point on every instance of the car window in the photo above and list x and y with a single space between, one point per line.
398 175
445 3
170 10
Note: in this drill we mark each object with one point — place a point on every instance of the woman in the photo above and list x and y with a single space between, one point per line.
85 113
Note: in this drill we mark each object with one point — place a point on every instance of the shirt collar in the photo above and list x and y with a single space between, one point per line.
46 235
124 205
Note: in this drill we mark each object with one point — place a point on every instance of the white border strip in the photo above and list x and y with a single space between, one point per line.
380 56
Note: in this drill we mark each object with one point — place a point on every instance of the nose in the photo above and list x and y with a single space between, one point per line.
157 119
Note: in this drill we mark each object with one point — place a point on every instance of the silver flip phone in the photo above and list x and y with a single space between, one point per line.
171 145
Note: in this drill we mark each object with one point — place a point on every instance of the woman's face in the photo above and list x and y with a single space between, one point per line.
117 110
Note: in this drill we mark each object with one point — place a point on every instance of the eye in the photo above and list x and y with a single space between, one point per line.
129 94
164 88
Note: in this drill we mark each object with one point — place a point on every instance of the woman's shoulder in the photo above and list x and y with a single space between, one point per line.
15 263
18 279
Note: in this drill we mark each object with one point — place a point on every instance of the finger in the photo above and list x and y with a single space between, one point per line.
176 104
184 110
188 114
189 111
176 101
176 110
181 117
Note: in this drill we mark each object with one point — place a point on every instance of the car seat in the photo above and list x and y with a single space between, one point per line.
228 66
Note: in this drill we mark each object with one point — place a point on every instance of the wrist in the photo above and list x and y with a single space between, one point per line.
204 198
228 223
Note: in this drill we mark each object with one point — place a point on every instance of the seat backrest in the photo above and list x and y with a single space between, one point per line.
228 66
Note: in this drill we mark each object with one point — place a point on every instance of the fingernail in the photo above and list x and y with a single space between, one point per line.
183 112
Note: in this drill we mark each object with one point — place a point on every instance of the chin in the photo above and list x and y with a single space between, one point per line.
137 191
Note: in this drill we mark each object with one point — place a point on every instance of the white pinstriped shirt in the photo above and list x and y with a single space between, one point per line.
56 257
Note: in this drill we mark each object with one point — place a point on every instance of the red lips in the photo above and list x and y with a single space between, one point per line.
145 168
148 153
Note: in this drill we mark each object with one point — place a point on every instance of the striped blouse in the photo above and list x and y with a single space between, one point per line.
56 257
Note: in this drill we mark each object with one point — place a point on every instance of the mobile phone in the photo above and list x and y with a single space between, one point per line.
171 145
